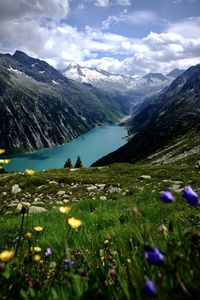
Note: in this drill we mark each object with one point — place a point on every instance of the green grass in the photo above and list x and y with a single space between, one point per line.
115 270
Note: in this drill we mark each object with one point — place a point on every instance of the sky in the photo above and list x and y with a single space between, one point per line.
130 37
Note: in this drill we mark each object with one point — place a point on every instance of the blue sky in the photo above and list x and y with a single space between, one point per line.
131 37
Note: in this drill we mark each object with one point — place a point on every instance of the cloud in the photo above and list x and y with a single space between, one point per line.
14 9
102 3
141 17
35 27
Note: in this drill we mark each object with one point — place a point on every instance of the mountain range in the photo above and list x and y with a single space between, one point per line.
175 112
140 89
40 107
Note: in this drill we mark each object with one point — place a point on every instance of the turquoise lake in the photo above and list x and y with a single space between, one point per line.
90 146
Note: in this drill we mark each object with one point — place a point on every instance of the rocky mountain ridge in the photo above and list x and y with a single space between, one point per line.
173 114
40 107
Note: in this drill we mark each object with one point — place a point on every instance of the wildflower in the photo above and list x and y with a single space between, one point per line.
163 229
153 255
128 260
7 255
38 228
2 151
37 249
29 172
106 242
69 262
25 207
37 258
166 196
48 252
149 288
29 235
191 196
74 223
135 211
64 209
4 161
112 272
17 239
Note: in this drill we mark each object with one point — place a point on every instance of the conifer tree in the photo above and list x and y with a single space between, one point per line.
78 163
68 163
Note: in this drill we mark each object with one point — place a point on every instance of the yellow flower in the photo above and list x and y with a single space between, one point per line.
29 172
37 257
135 211
38 228
74 223
4 161
106 242
37 249
128 260
2 151
163 229
29 235
7 255
64 209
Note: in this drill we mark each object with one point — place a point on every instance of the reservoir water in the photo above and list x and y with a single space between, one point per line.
90 146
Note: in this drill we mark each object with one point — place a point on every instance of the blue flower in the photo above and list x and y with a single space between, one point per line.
166 196
48 252
69 262
191 196
149 288
153 255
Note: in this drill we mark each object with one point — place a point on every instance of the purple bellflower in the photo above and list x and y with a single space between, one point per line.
191 196
153 255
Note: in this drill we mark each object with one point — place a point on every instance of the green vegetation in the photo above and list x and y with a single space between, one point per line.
121 212
78 163
68 163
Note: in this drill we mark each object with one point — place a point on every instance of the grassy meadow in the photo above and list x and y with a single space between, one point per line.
104 258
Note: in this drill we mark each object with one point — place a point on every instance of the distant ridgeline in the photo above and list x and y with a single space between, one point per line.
40 107
174 113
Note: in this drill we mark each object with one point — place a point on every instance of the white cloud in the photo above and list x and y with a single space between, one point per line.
102 3
14 9
141 17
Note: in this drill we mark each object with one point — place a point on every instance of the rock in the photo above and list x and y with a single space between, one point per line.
103 198
59 202
33 209
74 169
15 189
37 209
4 193
36 199
113 190
145 177
53 182
60 193
198 164
100 186
91 188
66 201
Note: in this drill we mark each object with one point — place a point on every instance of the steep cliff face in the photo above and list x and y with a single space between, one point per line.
40 107
174 113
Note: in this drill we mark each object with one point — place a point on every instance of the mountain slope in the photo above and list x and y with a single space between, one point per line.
175 112
40 107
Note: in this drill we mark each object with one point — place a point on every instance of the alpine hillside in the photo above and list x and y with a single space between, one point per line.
174 115
40 107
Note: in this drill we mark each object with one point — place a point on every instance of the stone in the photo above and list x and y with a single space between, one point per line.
113 190
66 201
101 186
53 182
33 209
145 177
103 198
15 189
91 188
74 169
60 193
